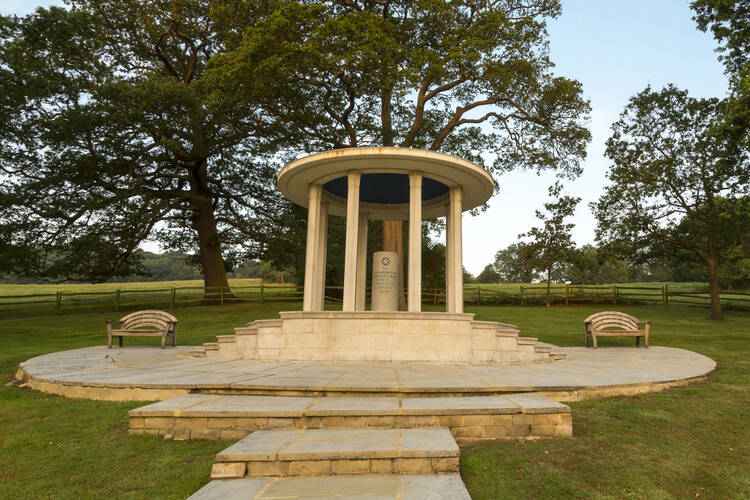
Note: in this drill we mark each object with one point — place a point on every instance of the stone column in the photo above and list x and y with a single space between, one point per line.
361 263
455 244
321 255
352 226
313 221
448 261
415 242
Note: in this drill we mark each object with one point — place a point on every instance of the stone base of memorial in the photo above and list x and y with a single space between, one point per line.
392 336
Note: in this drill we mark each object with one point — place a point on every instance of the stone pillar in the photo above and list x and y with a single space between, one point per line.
352 226
448 260
321 255
385 281
361 263
457 272
415 242
313 221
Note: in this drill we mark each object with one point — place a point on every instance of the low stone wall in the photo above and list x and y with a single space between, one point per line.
466 429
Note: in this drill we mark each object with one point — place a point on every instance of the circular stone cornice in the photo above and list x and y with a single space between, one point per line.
295 178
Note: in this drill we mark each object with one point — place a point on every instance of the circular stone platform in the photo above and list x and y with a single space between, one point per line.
147 373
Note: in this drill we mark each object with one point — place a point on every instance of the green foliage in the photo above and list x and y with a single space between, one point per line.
588 266
729 21
128 120
433 263
111 133
678 175
418 74
488 275
514 265
550 245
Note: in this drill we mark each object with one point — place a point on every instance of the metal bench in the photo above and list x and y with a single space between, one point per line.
616 324
149 323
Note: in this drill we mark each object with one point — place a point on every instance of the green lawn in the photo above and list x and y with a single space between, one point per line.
692 442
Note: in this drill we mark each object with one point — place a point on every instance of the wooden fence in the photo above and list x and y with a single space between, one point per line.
174 297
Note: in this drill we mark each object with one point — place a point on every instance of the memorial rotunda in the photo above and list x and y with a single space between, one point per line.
382 183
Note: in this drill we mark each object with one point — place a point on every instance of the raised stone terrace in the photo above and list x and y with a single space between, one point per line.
351 429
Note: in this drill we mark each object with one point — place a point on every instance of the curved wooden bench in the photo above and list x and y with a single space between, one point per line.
616 324
149 323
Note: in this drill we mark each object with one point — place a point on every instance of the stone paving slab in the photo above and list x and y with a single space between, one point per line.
354 406
232 406
167 369
363 487
338 444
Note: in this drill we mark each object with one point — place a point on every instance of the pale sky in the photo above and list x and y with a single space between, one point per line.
615 48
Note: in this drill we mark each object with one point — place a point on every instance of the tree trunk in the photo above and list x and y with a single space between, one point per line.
549 284
713 285
209 246
393 241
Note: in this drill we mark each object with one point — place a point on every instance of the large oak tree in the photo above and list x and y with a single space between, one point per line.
679 168
467 77
111 133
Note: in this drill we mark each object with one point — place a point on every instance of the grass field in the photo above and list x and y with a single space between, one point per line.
692 442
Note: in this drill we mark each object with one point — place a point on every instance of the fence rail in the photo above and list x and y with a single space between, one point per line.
174 297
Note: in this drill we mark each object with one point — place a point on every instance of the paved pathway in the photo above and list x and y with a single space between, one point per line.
150 367
372 487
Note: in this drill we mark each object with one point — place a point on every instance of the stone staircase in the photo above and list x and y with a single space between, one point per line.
356 447
470 419
493 342
333 452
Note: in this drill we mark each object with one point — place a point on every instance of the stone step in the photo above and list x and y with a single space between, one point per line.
197 353
211 346
526 340
226 339
470 418
324 452
507 330
549 348
364 487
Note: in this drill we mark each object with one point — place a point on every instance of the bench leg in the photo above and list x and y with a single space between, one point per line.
163 340
593 337
174 340
645 341
109 341
120 337
637 341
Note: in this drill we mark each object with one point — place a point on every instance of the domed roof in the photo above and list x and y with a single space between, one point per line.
384 186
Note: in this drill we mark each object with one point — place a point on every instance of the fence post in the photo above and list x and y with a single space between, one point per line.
666 295
117 300
172 298
614 295
58 300
260 299
567 293
522 299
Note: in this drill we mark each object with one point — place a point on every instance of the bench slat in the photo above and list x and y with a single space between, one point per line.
139 333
